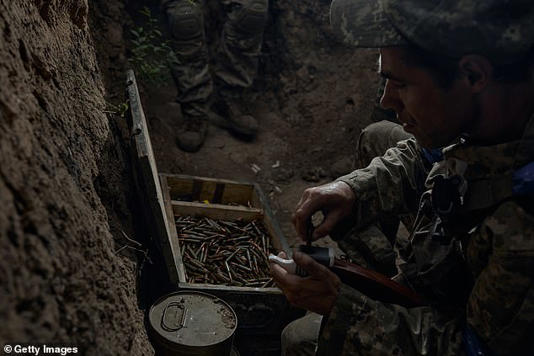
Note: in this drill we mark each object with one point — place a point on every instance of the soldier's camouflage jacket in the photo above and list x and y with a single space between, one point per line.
475 266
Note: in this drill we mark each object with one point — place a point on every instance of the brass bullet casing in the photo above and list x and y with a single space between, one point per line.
232 253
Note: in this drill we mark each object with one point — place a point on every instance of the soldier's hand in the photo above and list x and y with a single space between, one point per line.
317 292
335 200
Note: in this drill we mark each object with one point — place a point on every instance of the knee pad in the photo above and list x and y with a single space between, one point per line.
300 336
252 16
377 131
185 20
375 139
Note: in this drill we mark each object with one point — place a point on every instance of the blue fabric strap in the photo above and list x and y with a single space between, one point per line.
472 344
523 180
432 155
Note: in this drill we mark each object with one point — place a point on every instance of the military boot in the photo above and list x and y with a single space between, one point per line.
231 115
193 133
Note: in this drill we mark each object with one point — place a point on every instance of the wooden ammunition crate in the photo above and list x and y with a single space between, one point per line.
262 312
218 199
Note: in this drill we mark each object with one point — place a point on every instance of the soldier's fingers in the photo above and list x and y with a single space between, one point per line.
316 303
278 274
304 213
310 287
286 281
331 219
300 216
303 289
302 199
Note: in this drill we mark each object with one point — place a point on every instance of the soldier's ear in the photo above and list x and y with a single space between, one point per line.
476 71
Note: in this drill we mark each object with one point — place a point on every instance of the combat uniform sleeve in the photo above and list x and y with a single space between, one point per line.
501 305
500 308
358 325
391 183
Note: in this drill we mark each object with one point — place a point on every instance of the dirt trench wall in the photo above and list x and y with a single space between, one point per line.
61 277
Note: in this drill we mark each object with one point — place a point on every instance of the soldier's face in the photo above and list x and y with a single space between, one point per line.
434 115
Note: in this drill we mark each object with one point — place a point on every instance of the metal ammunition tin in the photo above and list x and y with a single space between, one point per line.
192 323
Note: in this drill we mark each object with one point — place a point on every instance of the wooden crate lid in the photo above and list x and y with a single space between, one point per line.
146 176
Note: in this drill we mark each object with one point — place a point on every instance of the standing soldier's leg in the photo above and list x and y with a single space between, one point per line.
190 69
241 42
237 61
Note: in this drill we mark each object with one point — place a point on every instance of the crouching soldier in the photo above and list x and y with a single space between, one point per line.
460 77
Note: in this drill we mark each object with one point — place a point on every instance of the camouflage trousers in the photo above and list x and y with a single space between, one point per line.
371 246
236 58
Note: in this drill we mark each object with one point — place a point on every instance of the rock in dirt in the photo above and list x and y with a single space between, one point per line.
283 175
314 174
342 167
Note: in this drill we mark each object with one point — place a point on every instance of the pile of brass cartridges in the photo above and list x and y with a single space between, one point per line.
231 253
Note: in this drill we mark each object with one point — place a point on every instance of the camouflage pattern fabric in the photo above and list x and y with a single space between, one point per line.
366 246
237 56
370 243
475 269
373 142
400 166
190 68
376 139
501 30
370 248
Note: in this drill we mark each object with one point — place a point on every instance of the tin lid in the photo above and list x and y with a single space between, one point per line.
192 319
